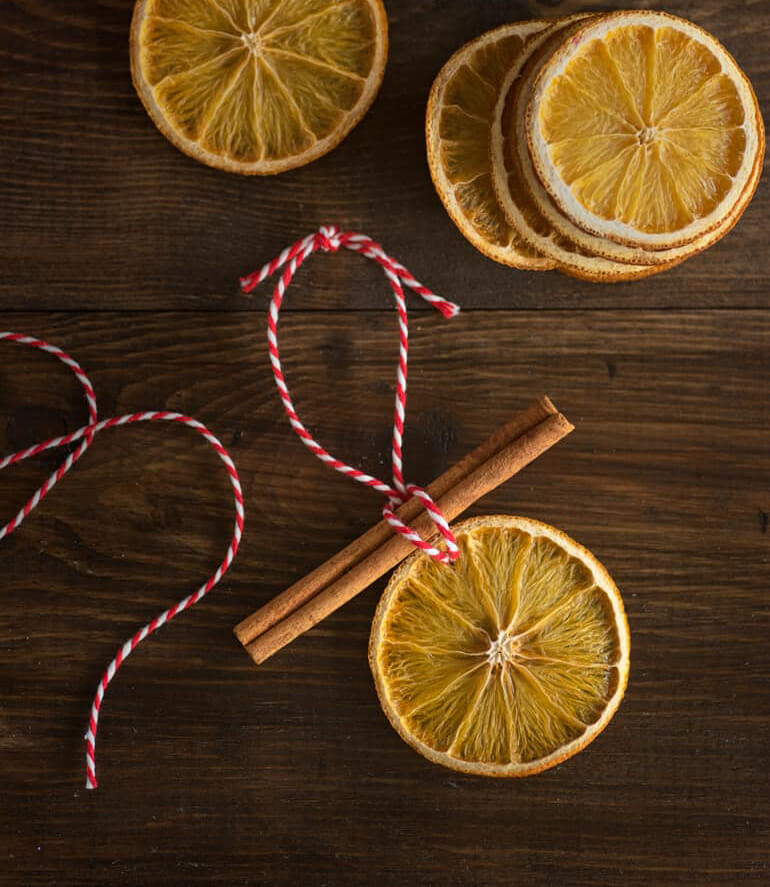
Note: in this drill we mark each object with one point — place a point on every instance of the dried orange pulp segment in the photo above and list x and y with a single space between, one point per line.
457 121
257 86
507 662
644 130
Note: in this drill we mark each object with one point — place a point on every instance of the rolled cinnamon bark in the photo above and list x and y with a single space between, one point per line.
328 587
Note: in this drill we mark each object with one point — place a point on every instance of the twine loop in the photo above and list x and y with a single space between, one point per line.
330 239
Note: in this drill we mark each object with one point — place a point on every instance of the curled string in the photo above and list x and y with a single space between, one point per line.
86 436
327 239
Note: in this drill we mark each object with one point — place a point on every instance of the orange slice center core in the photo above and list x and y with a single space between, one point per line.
647 135
503 650
252 42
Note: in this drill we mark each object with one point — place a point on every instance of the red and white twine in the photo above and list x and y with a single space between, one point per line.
329 239
86 435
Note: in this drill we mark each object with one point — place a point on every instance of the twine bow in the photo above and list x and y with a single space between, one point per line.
330 239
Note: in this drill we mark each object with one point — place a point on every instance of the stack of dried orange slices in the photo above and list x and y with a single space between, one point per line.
609 147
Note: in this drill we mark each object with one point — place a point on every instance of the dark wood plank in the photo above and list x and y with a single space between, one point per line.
217 772
99 210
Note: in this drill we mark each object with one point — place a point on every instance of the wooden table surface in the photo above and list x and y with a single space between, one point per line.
123 251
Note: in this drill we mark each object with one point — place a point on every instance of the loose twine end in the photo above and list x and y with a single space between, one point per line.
85 436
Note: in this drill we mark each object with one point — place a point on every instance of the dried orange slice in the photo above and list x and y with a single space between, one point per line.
257 86
555 234
507 662
644 130
459 114
528 206
511 172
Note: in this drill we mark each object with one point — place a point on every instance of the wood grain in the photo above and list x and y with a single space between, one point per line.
218 772
117 247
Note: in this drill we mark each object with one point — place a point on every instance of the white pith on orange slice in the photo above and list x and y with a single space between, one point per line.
457 122
257 86
644 130
510 660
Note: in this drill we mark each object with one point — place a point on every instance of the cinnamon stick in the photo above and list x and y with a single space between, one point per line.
304 589
496 469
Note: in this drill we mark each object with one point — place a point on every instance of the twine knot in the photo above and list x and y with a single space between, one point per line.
328 239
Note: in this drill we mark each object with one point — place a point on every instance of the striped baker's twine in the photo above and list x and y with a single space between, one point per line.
329 239
86 434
